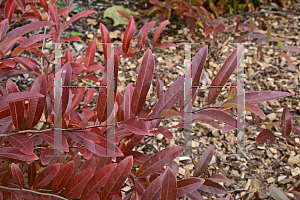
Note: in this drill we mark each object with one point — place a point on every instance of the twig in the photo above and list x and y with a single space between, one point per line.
32 191
55 129
12 24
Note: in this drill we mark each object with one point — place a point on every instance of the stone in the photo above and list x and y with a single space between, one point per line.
78 46
271 180
295 171
271 116
280 178
273 150
293 160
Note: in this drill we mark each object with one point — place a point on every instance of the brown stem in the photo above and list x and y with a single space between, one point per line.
32 191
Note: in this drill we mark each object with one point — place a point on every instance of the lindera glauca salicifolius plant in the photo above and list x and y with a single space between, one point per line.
28 168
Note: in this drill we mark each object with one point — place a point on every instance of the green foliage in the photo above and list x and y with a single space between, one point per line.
61 4
112 13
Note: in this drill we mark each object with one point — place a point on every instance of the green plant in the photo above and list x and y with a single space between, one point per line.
62 4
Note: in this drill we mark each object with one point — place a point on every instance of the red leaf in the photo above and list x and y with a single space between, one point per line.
166 133
237 23
87 164
27 43
291 48
47 155
169 186
9 9
97 181
36 106
27 28
218 29
127 102
89 96
17 174
128 35
144 33
44 5
50 137
143 83
153 191
164 45
16 108
105 39
168 99
80 15
218 178
212 187
46 176
90 54
29 64
159 30
159 160
101 105
208 31
31 171
188 185
259 96
130 142
195 196
22 142
288 59
78 182
103 161
62 177
92 77
204 161
12 97
224 73
135 126
159 88
248 107
16 195
265 136
117 178
36 12
7 177
8 153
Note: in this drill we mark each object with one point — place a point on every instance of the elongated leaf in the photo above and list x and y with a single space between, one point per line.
28 63
44 197
288 59
22 142
13 153
27 43
224 73
277 194
249 107
259 96
16 108
164 45
101 105
135 126
66 76
159 30
213 187
143 82
166 133
27 28
17 174
77 16
198 65
97 181
168 99
49 137
218 29
144 33
219 115
46 176
36 106
78 182
117 178
31 171
188 185
153 191
62 177
204 161
218 178
286 122
265 136
195 195
89 96
159 88
47 155
169 186
128 35
159 160
12 97
127 102
90 54
103 161
105 39
238 19
7 177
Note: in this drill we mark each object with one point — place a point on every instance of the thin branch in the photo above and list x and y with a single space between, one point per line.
32 191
